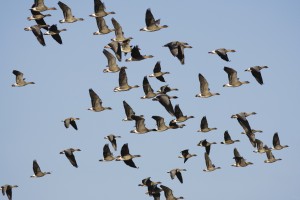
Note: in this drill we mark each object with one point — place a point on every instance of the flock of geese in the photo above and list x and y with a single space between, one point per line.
120 46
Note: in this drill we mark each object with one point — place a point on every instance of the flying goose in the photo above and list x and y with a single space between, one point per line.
111 62
177 49
169 193
239 160
68 16
102 27
270 156
204 126
99 9
70 120
233 79
186 155
176 172
54 32
140 127
136 55
37 170
260 147
209 166
160 123
222 53
227 139
253 131
107 155
204 89
127 157
151 23
118 31
148 182
157 73
125 46
149 92
112 139
206 144
276 143
164 100
36 30
179 115
20 81
116 47
129 112
7 189
174 125
38 17
165 89
255 71
69 154
96 102
40 6
241 118
123 83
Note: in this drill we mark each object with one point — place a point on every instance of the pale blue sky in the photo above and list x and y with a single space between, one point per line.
261 32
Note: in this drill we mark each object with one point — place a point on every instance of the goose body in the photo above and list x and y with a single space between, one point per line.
227 139
179 115
165 89
116 47
123 82
204 126
107 155
54 32
239 160
186 155
177 49
39 6
99 9
276 143
206 144
71 121
112 139
69 153
127 157
128 111
67 12
37 170
222 53
118 31
160 123
233 79
255 71
176 172
149 92
7 189
204 89
96 102
209 166
111 62
140 127
164 100
270 157
136 55
157 73
102 27
20 81
152 24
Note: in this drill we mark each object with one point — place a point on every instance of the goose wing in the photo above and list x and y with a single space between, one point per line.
95 99
146 86
69 154
106 151
222 53
36 167
125 150
111 60
38 34
178 112
19 76
203 84
204 124
128 110
232 74
73 124
56 36
66 10
149 19
257 75
117 27
122 77
179 176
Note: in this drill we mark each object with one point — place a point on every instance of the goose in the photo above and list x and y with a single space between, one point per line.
149 92
123 83
127 157
125 46
107 155
102 27
68 16
148 182
233 79
96 102
116 47
38 17
255 71
136 55
36 30
204 126
276 143
227 139
241 118
239 160
40 6
37 170
165 89
164 100
177 49
118 31
99 9
253 131
222 52
270 157
154 191
176 172
140 127
54 32
160 123
206 144
152 24
260 147
157 73
112 139
7 189
174 125
209 166
111 62
20 81
204 89
129 112
72 121
69 154
186 155
179 115
169 193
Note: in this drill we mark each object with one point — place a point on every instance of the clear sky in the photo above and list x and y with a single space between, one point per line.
261 32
